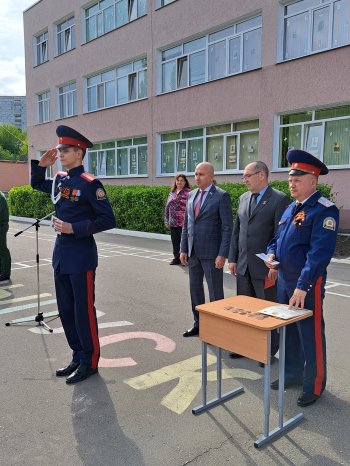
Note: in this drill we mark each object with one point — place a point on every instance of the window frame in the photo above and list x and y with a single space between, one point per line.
41 56
43 106
100 86
100 19
205 138
304 125
72 34
284 16
102 152
206 47
65 95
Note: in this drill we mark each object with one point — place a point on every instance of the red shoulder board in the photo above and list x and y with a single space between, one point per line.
88 177
62 173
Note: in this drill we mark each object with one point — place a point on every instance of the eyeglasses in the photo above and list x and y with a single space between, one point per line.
246 177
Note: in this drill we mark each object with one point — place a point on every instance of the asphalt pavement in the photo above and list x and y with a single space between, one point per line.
137 409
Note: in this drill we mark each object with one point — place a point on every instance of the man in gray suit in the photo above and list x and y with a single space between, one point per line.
259 211
205 240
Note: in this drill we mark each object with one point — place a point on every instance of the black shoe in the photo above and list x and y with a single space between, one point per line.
191 332
4 279
272 360
306 399
287 383
235 356
82 373
68 370
175 262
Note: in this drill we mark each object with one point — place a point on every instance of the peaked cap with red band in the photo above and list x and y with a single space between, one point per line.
302 163
68 137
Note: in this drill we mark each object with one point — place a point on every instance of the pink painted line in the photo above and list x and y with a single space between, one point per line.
163 344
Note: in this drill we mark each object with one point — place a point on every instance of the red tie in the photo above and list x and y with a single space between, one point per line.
198 205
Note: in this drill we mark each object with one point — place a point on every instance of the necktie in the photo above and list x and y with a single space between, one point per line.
253 203
198 205
296 208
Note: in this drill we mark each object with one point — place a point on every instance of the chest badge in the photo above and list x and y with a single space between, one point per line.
65 193
75 195
299 218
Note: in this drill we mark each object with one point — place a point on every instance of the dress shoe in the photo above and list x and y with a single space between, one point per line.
306 399
272 360
235 355
67 370
191 332
287 383
82 373
175 262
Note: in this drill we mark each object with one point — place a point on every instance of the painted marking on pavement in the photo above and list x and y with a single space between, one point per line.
163 344
21 299
8 310
189 381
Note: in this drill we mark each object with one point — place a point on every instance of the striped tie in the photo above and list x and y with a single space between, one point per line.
198 205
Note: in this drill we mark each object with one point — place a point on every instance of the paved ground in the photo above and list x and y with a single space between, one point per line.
137 410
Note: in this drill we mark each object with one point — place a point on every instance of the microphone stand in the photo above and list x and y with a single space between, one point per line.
39 317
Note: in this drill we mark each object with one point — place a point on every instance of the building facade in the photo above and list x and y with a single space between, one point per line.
13 111
161 85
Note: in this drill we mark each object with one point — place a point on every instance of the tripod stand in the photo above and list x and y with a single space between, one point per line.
39 317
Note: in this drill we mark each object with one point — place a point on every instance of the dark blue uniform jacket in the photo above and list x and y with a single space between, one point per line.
84 204
305 243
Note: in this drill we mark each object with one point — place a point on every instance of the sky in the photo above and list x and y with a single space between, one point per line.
12 79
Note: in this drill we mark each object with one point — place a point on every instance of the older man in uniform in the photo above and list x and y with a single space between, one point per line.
304 246
82 209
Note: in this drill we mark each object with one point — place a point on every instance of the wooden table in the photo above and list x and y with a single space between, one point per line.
250 337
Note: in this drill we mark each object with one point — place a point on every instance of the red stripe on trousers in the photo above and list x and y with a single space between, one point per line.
92 319
318 338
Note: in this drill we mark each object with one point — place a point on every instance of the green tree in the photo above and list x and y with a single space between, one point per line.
13 143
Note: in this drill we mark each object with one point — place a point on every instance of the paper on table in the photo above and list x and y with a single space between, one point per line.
266 258
281 311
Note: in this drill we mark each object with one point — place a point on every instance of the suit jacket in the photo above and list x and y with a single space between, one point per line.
251 235
208 236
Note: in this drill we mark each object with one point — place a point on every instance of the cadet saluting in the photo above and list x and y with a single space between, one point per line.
82 209
304 246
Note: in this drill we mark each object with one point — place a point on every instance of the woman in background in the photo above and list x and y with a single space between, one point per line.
175 212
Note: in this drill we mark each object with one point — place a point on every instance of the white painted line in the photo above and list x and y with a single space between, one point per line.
24 298
338 294
8 310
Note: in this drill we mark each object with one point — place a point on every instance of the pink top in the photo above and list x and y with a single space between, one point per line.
175 208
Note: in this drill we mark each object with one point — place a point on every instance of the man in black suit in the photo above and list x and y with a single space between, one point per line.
259 211
205 240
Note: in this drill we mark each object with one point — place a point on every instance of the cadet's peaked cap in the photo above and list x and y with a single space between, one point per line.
302 163
68 137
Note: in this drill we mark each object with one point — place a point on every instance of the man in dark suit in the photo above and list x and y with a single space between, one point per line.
258 214
205 240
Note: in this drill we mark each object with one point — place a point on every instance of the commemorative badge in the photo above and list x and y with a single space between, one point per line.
65 193
100 194
299 218
75 195
329 223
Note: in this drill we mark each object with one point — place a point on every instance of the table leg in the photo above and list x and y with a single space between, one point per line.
220 398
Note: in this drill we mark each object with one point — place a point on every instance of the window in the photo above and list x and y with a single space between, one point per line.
43 107
67 100
161 3
229 147
65 36
311 26
323 133
223 53
41 47
122 158
106 15
117 86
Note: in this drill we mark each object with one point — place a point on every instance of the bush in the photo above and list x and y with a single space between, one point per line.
139 208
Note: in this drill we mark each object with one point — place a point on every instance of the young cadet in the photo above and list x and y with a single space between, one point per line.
304 246
82 209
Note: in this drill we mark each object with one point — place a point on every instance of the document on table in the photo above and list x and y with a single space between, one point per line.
281 311
266 258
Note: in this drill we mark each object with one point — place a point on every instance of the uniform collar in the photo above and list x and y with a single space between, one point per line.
76 171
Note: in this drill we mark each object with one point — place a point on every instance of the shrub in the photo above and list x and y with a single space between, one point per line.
139 208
